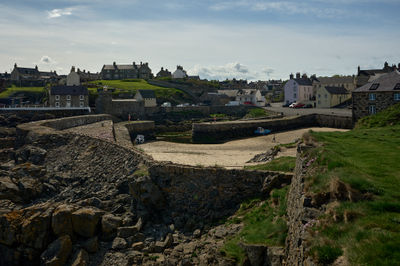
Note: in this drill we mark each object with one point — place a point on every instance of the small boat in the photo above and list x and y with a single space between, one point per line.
262 131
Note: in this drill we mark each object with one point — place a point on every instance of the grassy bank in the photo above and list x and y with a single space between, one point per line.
283 164
14 90
365 229
264 223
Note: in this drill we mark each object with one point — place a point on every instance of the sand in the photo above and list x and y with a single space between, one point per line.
232 154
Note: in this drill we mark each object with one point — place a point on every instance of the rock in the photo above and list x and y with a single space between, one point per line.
138 246
119 243
159 246
110 223
57 252
275 256
9 227
145 191
32 154
81 258
197 233
169 241
9 190
255 253
85 221
127 231
91 245
61 222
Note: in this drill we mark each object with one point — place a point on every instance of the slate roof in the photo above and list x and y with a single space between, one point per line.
336 90
146 94
303 82
247 92
29 71
230 93
386 82
335 80
120 67
69 90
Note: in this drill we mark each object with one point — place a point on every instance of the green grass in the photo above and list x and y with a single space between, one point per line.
130 86
179 137
388 117
264 223
256 112
367 159
283 164
12 90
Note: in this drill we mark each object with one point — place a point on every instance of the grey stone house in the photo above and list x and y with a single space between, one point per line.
148 96
30 77
377 95
368 75
133 71
69 97
164 73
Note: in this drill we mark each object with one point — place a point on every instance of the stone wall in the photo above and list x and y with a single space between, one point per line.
120 108
69 122
40 112
145 128
361 102
218 132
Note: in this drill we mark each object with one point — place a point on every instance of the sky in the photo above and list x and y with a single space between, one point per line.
216 39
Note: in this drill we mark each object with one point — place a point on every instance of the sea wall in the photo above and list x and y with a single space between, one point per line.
222 131
145 128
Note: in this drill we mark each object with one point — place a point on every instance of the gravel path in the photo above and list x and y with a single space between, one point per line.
232 154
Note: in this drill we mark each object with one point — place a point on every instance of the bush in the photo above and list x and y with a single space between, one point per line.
327 254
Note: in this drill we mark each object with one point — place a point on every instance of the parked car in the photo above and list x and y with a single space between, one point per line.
308 106
292 105
166 104
286 105
296 105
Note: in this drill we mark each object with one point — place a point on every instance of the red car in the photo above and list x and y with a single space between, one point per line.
296 105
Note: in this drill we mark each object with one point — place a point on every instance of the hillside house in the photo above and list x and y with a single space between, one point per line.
299 89
330 96
69 96
133 71
377 95
179 73
368 75
164 73
250 97
148 96
73 78
31 77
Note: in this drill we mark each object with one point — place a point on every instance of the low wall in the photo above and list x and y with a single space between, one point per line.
218 132
145 128
64 123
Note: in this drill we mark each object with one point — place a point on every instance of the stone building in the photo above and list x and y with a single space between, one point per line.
368 75
179 73
122 108
69 96
73 78
164 73
299 89
133 71
31 77
377 95
148 96
347 82
329 96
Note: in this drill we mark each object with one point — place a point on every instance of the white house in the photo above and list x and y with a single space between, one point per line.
73 78
250 97
179 73
148 96
298 89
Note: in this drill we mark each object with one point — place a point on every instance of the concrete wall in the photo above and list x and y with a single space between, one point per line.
218 132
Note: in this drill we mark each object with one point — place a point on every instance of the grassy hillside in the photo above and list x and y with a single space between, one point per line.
365 225
13 90
130 86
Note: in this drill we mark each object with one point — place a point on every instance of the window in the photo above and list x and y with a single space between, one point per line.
372 96
319 95
81 97
81 104
295 95
397 96
397 87
374 86
372 109
319 102
57 97
326 96
68 104
57 104
68 97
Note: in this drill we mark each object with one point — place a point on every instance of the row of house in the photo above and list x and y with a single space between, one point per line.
250 97
126 71
179 73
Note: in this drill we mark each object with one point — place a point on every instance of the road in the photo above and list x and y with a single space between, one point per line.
277 107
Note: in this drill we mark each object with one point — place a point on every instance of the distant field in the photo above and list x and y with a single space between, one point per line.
10 91
132 85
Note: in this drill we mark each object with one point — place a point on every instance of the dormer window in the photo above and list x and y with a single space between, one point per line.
374 86
397 87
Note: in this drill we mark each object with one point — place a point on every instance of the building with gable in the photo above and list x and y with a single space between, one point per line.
299 89
148 96
330 96
31 77
368 75
133 71
179 73
164 73
250 97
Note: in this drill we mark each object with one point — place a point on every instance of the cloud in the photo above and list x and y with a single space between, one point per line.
47 60
56 13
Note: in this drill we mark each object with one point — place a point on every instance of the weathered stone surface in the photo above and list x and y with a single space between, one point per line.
110 223
127 231
91 245
80 258
58 252
9 227
61 221
119 243
85 221
30 153
255 253
146 191
9 190
138 246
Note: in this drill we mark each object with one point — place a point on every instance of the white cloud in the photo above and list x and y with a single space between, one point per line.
47 60
56 13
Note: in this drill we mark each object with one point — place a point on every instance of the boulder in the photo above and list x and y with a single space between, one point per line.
10 227
119 243
110 223
138 246
91 245
35 228
61 221
127 231
255 253
147 193
9 190
57 252
32 154
85 221
80 258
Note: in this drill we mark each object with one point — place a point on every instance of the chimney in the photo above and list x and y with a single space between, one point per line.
386 65
36 67
304 76
141 63
358 70
15 65
291 76
114 64
298 75
162 69
72 69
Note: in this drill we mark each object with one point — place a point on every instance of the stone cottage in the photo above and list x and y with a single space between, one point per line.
69 96
31 77
164 73
148 96
368 75
330 96
133 71
377 95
